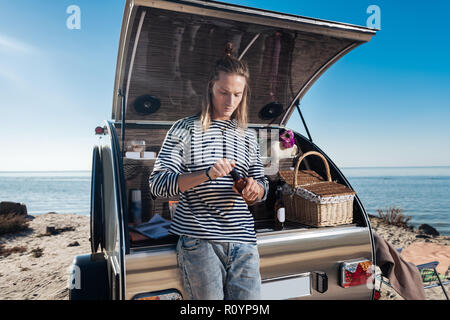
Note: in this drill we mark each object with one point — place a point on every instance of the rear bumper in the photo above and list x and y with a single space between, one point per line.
292 254
322 250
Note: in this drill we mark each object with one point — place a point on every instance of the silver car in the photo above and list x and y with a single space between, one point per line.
165 50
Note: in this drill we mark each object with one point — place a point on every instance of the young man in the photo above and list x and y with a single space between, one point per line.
217 252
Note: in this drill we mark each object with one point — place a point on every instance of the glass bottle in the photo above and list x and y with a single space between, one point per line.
279 210
239 181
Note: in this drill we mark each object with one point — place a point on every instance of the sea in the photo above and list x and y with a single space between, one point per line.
423 193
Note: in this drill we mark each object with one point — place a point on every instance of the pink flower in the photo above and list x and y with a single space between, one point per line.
287 139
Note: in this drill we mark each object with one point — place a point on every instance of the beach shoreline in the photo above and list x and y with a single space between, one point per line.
26 275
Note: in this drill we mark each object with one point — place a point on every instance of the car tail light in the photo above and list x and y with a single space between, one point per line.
99 130
376 295
356 273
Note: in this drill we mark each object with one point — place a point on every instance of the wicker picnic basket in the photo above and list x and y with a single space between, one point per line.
311 200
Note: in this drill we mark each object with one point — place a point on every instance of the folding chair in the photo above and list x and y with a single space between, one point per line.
430 265
433 265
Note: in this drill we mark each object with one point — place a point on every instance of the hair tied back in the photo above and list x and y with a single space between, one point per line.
228 49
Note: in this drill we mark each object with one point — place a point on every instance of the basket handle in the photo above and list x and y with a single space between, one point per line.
327 167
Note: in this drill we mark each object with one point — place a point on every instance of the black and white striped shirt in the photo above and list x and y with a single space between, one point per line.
211 210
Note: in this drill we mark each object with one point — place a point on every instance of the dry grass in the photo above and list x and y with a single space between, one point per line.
6 252
37 252
12 223
394 216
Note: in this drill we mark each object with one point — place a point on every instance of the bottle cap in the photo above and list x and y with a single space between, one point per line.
235 175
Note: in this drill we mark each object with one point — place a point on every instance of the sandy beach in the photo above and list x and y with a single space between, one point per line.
26 276
417 249
40 269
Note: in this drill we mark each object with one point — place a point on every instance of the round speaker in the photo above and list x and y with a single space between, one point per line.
146 104
271 111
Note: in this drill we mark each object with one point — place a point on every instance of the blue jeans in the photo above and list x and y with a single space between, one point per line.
214 270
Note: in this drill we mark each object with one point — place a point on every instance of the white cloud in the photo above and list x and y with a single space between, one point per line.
12 45
12 53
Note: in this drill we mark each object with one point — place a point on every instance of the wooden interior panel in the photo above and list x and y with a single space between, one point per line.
153 137
176 52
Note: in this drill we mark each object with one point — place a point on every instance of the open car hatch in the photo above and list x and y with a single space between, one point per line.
168 47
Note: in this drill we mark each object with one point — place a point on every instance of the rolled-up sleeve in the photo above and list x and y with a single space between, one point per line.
256 169
170 162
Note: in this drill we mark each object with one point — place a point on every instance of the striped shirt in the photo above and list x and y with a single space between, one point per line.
211 210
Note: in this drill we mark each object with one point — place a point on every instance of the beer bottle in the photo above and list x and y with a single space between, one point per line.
239 181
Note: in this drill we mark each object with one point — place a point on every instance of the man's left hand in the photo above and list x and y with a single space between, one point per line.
253 191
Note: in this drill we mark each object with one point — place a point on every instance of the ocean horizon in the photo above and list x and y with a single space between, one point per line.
422 192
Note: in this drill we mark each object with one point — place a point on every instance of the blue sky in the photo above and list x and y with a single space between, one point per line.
386 103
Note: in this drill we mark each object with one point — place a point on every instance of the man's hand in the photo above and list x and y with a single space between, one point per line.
221 168
253 191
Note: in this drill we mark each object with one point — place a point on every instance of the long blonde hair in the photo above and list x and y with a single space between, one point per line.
230 65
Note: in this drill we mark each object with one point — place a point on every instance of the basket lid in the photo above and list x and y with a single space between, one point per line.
328 189
303 177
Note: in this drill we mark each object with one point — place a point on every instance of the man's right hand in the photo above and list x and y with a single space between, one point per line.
221 168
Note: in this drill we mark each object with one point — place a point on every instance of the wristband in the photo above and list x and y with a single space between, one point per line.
207 174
